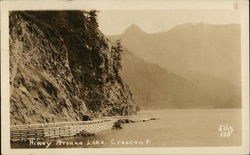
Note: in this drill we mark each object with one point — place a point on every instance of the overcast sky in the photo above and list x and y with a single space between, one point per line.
116 21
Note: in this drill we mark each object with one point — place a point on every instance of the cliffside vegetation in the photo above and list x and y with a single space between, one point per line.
63 68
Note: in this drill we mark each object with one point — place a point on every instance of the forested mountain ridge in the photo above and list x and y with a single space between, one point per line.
198 66
154 87
204 48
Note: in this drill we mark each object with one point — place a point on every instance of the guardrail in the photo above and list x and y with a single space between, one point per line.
57 130
68 129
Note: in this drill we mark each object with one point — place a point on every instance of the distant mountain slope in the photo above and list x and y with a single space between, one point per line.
209 49
153 87
199 66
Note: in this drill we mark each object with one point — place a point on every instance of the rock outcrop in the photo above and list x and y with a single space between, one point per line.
62 69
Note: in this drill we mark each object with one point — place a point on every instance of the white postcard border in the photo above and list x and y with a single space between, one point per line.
119 4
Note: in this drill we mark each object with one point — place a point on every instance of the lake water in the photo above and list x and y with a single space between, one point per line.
175 128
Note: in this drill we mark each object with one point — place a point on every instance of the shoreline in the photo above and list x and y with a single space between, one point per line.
58 130
173 129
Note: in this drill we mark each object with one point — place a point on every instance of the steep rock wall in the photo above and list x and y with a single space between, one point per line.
62 68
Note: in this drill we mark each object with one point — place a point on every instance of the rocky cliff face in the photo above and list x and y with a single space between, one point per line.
62 68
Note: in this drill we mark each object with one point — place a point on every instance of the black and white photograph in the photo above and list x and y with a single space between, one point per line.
147 78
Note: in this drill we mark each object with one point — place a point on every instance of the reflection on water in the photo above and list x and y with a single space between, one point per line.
199 127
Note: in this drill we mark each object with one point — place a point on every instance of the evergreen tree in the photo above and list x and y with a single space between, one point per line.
93 19
117 55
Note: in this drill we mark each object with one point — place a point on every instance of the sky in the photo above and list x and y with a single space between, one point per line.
113 22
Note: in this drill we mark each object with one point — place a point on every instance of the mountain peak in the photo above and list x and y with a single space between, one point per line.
133 26
133 29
